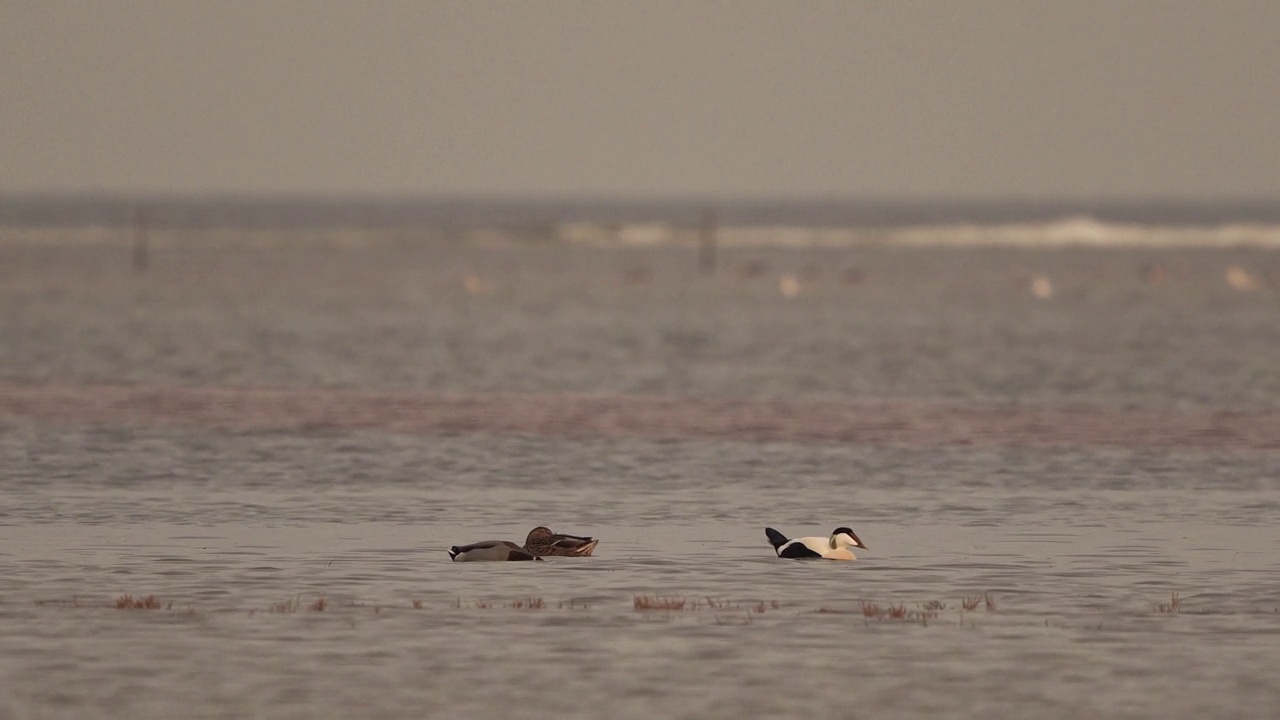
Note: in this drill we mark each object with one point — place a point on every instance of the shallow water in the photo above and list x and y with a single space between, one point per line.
239 528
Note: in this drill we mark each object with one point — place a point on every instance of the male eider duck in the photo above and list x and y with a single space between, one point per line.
490 550
834 548
542 541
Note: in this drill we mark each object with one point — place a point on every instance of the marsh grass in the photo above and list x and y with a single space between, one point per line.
123 602
725 612
129 602
678 603
971 603
923 612
653 602
525 603
899 612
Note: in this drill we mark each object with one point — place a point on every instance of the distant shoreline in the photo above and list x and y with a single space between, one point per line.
531 216
1059 233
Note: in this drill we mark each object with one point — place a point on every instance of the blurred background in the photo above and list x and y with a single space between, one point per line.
756 100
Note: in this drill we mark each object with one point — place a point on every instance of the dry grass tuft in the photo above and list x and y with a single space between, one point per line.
319 605
288 606
674 603
990 601
651 602
525 603
1174 605
128 602
928 611
417 604
971 603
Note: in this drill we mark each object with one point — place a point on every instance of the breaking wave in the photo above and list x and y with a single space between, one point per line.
1074 231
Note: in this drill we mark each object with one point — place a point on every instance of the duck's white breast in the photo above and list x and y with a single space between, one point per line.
822 546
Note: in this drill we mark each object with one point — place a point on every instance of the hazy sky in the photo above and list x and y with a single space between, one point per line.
1068 99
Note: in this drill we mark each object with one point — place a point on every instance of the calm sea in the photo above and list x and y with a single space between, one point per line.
1065 463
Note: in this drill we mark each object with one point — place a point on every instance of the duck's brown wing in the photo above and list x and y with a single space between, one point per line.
573 545
572 542
515 552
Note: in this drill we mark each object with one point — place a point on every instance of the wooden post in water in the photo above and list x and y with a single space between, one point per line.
707 242
140 219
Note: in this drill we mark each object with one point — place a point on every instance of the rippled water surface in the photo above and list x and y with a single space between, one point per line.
300 567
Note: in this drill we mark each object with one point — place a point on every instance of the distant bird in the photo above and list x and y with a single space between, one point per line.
474 284
1241 279
491 551
789 286
542 541
1041 287
810 548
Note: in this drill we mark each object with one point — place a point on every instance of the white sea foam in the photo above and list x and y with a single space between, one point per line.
1087 231
1083 231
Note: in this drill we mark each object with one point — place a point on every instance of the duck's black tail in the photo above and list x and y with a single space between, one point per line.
775 537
